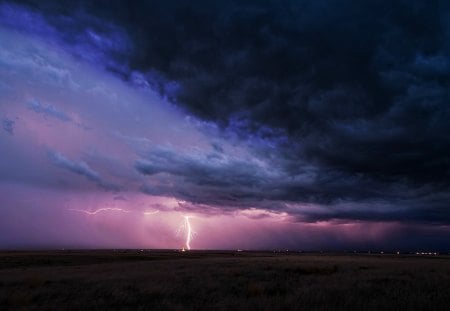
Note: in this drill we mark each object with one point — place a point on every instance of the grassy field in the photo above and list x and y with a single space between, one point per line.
195 280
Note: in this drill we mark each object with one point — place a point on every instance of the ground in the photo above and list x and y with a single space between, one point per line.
207 280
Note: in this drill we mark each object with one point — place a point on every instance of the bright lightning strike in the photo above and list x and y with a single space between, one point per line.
188 232
151 213
105 209
187 228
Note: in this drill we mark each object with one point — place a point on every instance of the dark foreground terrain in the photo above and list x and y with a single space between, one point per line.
170 280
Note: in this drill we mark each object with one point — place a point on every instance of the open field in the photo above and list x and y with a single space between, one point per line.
195 280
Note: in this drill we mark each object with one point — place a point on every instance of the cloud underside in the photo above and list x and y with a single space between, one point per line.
343 105
313 195
80 168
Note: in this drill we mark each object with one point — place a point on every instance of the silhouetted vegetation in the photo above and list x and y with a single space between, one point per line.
169 280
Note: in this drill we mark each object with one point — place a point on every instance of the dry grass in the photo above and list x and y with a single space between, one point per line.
221 281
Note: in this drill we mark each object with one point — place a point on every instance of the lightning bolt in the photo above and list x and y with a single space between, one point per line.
151 213
188 232
104 209
187 228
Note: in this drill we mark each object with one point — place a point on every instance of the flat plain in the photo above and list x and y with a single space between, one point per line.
221 280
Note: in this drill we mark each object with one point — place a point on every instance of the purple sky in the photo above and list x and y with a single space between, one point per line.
99 153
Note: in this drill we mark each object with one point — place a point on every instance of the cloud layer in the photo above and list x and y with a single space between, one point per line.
324 111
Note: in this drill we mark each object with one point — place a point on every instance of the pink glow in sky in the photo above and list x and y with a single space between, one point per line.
92 161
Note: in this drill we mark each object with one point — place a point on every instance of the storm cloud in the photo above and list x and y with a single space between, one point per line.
358 87
80 168
8 126
47 110
324 110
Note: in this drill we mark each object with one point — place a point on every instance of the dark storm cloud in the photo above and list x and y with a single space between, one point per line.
217 147
231 183
354 96
69 26
47 110
8 126
80 168
203 178
200 170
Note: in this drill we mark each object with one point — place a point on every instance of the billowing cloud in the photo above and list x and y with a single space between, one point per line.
47 110
80 168
308 111
8 126
77 167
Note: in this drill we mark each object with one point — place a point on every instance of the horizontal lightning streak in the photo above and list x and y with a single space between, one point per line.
151 213
105 209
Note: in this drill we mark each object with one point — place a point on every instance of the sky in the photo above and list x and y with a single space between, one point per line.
300 125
